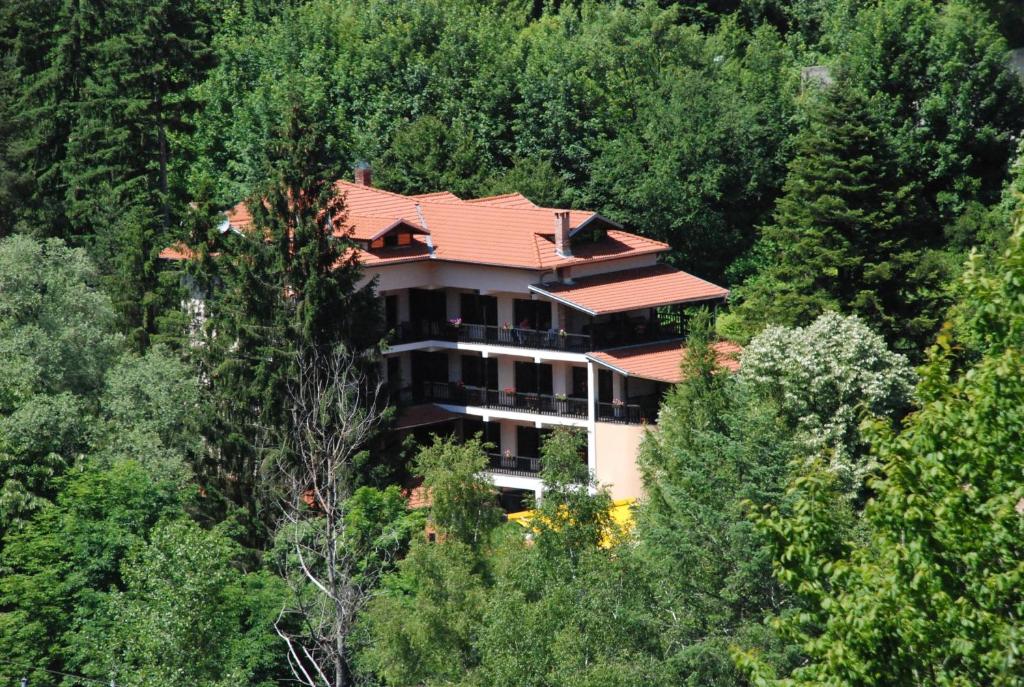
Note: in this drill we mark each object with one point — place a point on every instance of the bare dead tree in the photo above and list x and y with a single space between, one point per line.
334 412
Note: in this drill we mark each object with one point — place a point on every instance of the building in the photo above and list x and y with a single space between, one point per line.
509 319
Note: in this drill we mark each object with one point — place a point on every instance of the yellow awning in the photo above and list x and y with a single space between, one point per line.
621 513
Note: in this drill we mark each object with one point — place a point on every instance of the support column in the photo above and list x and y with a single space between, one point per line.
454 366
591 418
403 305
453 300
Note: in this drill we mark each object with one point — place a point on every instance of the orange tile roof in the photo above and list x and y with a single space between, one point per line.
507 200
644 287
661 361
437 195
177 251
507 230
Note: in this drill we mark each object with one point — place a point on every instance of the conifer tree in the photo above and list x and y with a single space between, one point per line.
843 236
121 148
932 593
283 285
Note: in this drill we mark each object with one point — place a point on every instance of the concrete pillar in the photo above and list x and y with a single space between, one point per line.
506 373
508 438
618 387
406 368
454 303
454 366
560 383
591 417
506 311
403 305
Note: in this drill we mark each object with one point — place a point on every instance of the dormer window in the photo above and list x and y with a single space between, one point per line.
392 240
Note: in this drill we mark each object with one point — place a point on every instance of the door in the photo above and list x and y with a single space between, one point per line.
428 306
532 378
477 309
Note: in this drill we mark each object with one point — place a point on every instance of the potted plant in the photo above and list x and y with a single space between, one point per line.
619 405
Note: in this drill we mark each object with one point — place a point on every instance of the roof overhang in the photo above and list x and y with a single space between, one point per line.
633 289
661 361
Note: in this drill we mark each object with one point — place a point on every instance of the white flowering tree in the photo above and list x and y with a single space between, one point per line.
826 378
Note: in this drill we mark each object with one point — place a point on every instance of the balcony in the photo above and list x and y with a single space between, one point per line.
644 410
518 466
517 337
456 394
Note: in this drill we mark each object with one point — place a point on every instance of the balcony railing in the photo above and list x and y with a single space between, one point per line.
521 466
409 332
627 413
457 394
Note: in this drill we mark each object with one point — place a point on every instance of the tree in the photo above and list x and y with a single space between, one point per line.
825 379
58 565
283 284
932 592
718 444
186 614
463 507
329 562
57 337
844 235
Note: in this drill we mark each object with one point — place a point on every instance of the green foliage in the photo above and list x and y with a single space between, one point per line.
549 608
55 570
844 232
932 592
719 443
57 339
186 614
462 503
825 379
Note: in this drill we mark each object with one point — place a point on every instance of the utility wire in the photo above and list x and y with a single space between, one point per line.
24 681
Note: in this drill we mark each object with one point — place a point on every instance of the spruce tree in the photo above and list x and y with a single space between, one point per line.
121 152
844 233
283 285
931 594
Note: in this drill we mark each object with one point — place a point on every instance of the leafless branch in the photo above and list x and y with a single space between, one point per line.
334 413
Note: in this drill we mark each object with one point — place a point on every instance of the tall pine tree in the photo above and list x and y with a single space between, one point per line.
283 285
844 236
120 199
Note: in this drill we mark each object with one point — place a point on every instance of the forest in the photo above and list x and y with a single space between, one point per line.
845 509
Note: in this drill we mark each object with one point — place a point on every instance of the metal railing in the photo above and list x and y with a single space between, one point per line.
521 466
458 394
551 339
626 413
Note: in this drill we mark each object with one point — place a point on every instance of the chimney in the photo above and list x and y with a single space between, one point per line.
562 246
364 176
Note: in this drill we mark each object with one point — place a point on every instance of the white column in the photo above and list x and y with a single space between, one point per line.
506 373
454 303
559 375
406 369
506 311
403 305
618 387
591 417
454 366
508 438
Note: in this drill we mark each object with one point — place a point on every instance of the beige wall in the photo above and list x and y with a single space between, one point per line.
617 449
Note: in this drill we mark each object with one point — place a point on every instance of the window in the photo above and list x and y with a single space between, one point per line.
532 314
529 441
480 372
579 382
532 378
